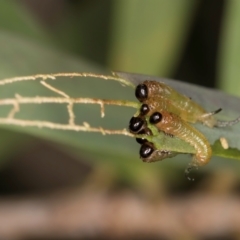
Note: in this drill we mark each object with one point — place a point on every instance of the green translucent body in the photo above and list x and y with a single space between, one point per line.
163 97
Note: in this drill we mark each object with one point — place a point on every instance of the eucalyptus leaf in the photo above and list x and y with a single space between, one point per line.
20 56
148 36
15 18
24 57
229 54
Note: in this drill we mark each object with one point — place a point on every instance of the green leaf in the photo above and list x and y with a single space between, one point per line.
229 55
20 56
15 18
148 36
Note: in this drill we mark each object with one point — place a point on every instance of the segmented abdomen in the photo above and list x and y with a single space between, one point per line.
174 125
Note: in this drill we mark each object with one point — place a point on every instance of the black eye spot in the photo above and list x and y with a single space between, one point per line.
136 124
141 140
146 150
146 131
144 109
141 92
155 118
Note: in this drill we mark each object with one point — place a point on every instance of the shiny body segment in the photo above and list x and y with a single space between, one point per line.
164 98
174 125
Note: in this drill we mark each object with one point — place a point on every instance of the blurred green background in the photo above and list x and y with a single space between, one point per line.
189 40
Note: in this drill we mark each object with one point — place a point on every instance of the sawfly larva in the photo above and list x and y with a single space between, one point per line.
172 124
160 96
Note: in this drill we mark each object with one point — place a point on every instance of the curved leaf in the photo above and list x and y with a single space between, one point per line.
147 36
22 57
229 60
